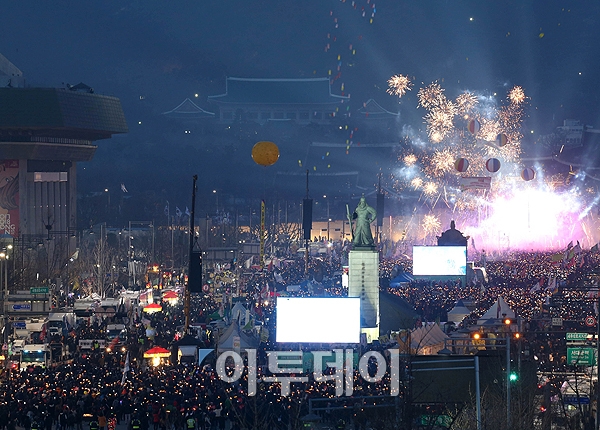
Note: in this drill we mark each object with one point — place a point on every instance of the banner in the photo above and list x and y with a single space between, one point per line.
475 183
9 197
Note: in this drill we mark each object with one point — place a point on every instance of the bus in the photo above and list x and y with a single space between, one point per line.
35 354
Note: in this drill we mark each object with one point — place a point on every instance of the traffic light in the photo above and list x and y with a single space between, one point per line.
513 377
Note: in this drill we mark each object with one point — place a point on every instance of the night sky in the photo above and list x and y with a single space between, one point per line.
167 51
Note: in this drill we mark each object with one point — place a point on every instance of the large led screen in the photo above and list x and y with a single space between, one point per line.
439 260
318 320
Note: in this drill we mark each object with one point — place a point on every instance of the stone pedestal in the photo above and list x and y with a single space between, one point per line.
363 282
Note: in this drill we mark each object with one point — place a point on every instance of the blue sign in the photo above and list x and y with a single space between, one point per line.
574 400
21 307
19 324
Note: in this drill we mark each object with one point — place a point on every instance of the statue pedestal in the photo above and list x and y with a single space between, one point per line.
363 282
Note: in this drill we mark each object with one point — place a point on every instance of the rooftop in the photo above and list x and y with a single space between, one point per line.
278 91
57 112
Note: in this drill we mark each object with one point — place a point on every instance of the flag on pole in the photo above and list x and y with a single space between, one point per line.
536 287
126 369
498 309
278 277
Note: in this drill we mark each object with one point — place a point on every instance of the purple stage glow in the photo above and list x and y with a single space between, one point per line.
532 219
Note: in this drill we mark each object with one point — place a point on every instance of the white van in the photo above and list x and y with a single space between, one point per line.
17 346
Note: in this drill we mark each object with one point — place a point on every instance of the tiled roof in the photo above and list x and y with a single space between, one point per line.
278 91
372 109
188 109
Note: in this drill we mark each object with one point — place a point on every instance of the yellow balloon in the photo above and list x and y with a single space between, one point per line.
265 153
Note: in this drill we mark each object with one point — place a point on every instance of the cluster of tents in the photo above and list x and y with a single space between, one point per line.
430 338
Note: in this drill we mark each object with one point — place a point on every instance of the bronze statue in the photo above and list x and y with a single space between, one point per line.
363 216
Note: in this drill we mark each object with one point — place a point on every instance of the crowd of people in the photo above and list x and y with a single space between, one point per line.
99 389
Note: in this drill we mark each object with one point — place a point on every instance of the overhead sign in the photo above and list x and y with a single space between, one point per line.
579 336
581 356
574 400
38 290
23 307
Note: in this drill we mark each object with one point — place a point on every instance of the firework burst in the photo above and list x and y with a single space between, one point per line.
440 121
465 102
431 96
398 85
430 189
516 95
441 162
431 224
410 159
430 169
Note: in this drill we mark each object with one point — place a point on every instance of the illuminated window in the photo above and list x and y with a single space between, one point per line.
50 177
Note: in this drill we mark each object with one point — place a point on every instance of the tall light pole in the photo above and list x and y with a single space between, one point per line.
187 296
3 272
130 252
328 219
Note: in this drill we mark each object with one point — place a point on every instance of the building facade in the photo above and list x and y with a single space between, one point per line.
44 133
301 101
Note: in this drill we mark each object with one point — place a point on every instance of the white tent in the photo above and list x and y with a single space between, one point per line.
233 339
499 310
458 312
240 314
427 340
